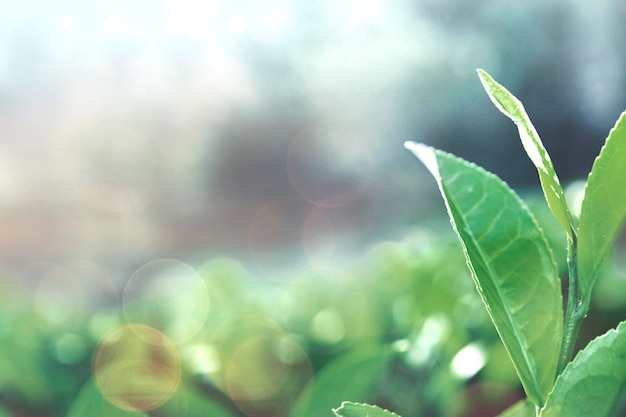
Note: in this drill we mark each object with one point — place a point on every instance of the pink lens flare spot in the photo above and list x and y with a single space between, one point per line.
136 368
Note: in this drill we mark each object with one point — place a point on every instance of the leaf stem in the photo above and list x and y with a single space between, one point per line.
575 312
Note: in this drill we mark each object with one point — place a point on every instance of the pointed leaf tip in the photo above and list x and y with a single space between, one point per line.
426 154
513 108
603 210
510 261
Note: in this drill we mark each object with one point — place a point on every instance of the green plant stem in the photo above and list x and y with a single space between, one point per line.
575 310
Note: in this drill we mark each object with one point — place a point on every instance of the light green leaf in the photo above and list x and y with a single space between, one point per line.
603 208
510 262
590 384
349 409
508 104
519 409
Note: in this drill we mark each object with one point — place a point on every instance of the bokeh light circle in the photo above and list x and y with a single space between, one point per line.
137 368
168 295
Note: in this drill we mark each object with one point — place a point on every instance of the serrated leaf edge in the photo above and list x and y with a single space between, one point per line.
428 156
344 403
593 273
580 354
535 150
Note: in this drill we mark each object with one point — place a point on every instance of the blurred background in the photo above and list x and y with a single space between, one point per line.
248 156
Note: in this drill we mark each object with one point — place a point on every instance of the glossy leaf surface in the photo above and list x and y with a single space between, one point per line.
510 262
603 208
349 409
508 104
592 382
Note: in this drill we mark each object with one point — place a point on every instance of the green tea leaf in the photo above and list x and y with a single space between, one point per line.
590 384
511 264
519 409
349 409
603 208
508 104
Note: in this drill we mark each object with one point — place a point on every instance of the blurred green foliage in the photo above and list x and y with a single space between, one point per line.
393 328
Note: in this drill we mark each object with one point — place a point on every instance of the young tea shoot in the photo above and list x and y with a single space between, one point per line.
516 275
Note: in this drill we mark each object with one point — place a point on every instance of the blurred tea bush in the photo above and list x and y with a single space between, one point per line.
402 327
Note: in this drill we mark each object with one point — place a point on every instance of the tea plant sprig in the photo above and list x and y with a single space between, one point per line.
513 108
516 276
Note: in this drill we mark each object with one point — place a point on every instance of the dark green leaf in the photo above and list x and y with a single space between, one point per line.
603 208
510 262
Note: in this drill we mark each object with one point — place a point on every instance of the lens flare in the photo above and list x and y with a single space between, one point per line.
137 368
169 296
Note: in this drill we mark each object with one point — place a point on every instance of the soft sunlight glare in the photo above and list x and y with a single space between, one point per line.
327 326
112 26
236 24
204 359
434 331
574 194
468 361
192 17
68 23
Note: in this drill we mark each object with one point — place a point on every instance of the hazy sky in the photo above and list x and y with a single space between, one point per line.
139 129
